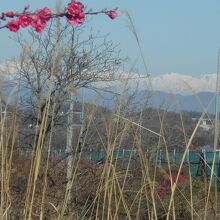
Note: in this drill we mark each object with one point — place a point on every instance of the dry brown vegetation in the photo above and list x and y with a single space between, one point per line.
130 188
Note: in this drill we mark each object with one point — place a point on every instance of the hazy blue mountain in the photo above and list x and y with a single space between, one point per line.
158 99
183 103
172 102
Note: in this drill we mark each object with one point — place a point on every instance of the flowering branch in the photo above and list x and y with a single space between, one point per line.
74 13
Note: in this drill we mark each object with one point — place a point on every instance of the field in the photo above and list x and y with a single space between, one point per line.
109 184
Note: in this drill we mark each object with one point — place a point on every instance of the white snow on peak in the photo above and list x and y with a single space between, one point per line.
184 84
175 83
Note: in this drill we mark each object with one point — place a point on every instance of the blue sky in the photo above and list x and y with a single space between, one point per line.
176 36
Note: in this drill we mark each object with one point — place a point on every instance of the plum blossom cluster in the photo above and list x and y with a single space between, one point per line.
74 13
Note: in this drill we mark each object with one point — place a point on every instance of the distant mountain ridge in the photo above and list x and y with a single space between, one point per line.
170 91
184 84
177 83
178 102
158 99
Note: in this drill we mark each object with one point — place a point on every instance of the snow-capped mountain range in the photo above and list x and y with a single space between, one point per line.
174 83
168 89
184 84
172 91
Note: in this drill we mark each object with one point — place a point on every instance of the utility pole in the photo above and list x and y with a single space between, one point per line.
82 123
140 129
69 142
216 129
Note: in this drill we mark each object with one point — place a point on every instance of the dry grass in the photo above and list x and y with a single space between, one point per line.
37 187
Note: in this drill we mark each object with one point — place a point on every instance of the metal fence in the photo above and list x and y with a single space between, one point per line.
90 154
200 162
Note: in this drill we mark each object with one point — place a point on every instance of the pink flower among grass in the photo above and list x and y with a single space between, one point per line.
162 191
165 188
